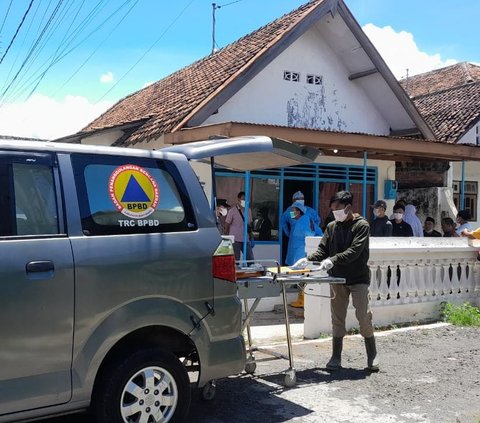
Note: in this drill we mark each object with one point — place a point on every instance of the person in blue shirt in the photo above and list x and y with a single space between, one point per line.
286 220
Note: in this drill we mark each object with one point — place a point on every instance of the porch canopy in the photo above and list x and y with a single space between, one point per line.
340 144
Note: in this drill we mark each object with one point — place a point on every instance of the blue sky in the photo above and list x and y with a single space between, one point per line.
424 34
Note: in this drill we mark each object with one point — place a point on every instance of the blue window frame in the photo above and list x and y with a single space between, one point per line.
349 177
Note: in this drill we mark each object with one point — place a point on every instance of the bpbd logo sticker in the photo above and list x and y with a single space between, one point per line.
133 191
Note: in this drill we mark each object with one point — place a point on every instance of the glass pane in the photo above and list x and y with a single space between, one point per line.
326 191
264 202
265 205
357 192
35 201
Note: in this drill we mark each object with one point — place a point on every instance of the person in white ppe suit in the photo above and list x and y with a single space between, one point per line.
296 246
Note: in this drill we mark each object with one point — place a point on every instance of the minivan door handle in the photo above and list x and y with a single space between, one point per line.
40 266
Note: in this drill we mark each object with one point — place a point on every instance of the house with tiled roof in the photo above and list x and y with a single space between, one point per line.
312 68
311 77
449 100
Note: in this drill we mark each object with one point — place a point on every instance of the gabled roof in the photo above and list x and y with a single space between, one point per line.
448 99
169 101
186 97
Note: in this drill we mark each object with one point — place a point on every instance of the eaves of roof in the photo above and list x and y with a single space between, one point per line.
335 143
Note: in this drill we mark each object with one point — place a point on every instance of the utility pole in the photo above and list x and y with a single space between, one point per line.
216 6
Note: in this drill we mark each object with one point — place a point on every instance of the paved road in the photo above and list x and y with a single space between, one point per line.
429 375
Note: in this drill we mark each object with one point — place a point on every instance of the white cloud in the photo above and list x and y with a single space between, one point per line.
147 84
43 117
400 51
106 78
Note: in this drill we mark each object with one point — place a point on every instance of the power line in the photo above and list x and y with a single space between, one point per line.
146 52
55 11
16 32
97 48
6 15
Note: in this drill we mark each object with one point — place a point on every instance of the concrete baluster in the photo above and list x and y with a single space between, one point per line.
446 282
383 288
464 284
419 279
401 291
374 282
455 278
437 278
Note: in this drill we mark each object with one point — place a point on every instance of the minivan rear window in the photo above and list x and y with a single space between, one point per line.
124 195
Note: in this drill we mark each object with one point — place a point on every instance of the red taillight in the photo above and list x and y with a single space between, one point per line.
224 267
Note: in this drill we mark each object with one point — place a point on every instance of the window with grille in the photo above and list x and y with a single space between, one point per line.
470 196
291 76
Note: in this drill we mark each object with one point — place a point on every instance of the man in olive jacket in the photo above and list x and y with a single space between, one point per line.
344 252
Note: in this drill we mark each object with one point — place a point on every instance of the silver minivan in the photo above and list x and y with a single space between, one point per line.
116 288
115 282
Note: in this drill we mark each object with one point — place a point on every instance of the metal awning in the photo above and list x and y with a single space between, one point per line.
247 152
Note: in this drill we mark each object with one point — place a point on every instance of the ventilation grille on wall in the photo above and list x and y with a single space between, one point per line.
314 79
291 76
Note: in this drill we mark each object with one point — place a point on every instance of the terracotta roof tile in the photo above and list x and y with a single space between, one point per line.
441 79
168 102
451 112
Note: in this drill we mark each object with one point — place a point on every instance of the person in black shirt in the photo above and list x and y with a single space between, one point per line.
429 231
380 225
400 228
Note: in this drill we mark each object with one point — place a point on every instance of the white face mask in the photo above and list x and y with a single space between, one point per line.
376 212
398 216
339 215
242 203
300 201
223 211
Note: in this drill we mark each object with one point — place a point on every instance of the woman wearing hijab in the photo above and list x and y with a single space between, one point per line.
411 218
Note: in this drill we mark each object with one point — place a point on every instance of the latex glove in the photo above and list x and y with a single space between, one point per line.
300 264
326 264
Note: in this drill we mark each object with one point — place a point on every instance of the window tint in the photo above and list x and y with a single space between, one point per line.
264 202
130 195
27 197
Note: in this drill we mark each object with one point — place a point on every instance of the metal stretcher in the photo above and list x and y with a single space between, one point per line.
257 282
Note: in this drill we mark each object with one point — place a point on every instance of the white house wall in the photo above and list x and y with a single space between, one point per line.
472 136
335 104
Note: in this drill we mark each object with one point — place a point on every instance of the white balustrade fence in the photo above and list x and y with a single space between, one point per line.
410 278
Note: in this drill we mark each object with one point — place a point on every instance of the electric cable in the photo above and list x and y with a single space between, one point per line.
57 59
146 52
96 49
6 15
2 95
16 32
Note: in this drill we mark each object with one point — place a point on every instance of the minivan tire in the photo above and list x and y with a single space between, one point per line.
160 383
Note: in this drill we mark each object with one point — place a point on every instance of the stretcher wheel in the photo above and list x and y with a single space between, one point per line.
209 391
250 367
290 379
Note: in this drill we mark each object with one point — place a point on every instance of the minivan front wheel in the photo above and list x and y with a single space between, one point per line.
150 386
